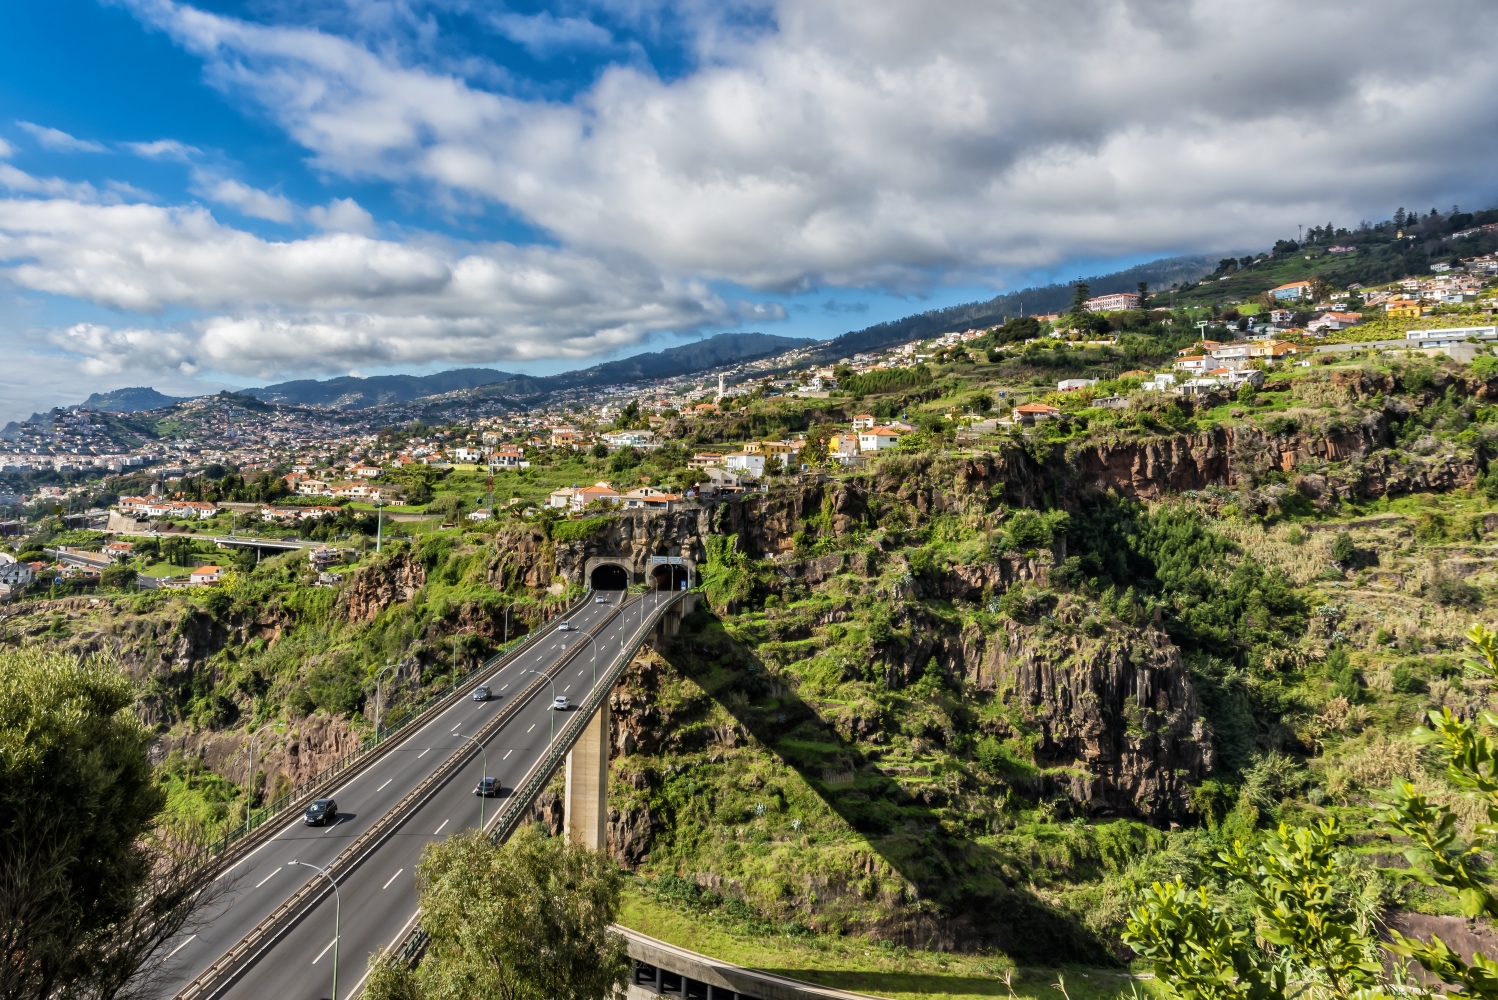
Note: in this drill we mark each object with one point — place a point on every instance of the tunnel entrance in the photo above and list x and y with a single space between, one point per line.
668 577
609 576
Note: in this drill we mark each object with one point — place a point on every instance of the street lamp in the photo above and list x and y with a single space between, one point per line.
484 754
337 915
388 667
379 532
553 700
249 791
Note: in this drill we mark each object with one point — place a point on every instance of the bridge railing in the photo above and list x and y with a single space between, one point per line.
409 950
269 813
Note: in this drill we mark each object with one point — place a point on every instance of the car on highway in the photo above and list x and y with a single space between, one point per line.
487 787
481 693
560 703
600 599
320 812
564 626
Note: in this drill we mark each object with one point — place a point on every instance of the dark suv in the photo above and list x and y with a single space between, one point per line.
321 812
487 787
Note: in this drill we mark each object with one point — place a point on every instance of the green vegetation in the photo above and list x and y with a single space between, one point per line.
528 920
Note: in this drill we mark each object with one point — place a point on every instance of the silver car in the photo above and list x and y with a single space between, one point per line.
560 703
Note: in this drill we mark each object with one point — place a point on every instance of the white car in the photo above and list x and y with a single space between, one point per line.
560 703
564 627
600 599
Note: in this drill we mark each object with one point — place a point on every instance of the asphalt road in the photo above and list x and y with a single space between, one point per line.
379 895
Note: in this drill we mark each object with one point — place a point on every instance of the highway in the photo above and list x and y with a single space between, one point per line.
378 896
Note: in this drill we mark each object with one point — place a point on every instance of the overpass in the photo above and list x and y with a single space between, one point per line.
271 933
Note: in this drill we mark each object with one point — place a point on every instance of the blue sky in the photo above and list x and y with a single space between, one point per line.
198 195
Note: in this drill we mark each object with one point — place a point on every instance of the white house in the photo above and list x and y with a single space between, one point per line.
205 575
877 439
863 422
745 464
1072 384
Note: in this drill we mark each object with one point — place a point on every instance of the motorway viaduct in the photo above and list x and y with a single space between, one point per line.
271 932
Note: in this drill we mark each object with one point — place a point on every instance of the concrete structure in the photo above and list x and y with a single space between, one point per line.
587 797
662 969
1295 290
1116 302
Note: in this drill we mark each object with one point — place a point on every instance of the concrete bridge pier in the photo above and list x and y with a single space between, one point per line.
586 801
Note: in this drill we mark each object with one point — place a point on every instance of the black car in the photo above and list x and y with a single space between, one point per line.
481 693
487 787
321 812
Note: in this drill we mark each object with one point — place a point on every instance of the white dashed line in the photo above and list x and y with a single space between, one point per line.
567 688
181 946
424 753
382 787
507 754
266 879
392 879
533 726
324 951
439 829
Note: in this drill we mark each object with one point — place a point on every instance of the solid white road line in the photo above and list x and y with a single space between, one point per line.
439 829
324 951
424 753
382 787
392 879
267 878
181 946
401 936
289 827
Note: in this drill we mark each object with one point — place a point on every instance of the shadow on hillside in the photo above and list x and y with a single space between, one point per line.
975 906
897 982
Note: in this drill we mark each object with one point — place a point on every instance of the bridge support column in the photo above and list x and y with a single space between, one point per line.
587 798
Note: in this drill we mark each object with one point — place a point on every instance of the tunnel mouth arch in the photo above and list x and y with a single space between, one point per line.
668 577
609 576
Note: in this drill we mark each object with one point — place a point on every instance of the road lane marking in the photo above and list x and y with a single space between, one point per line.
507 754
382 787
181 946
457 727
392 879
424 753
533 726
324 951
267 878
439 829
567 688
335 824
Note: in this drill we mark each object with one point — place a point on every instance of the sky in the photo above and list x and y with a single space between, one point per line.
235 192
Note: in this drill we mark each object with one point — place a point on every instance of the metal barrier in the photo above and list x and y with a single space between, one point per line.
409 951
372 747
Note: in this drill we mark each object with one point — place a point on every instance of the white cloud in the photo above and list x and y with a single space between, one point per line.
6 149
861 143
20 181
329 302
544 35
240 196
342 215
163 149
59 141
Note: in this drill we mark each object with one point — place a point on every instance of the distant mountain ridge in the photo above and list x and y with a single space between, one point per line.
349 392
130 400
723 349
1028 301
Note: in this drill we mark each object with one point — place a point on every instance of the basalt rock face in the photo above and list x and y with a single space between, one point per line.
286 759
526 556
372 590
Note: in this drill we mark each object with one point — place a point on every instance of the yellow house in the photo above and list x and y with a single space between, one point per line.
1404 307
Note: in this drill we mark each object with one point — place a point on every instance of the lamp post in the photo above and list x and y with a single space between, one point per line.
389 666
337 915
553 699
484 756
379 533
249 790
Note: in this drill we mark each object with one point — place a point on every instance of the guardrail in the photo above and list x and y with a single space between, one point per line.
372 747
283 917
525 794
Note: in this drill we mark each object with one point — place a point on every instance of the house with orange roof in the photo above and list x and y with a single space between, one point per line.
1029 413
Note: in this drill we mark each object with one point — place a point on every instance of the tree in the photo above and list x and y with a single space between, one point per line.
449 506
1079 299
1436 853
1308 929
84 905
1144 295
528 920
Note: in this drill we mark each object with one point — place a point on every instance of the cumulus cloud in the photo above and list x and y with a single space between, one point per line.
59 141
328 302
163 149
863 143
247 200
342 215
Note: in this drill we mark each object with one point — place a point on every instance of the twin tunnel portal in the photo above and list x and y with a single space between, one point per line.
662 576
